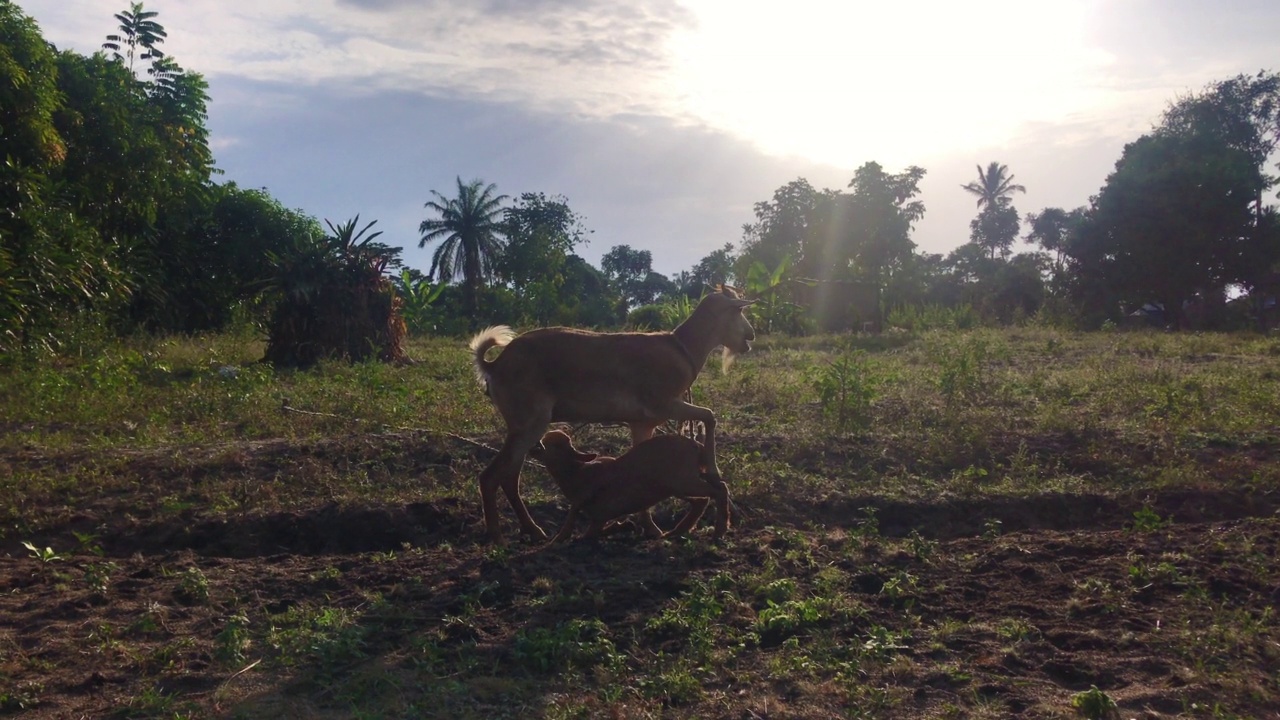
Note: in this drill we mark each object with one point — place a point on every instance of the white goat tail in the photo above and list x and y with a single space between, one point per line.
495 336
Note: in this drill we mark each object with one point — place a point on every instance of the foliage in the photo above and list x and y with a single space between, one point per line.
846 388
1168 222
782 226
766 287
666 315
631 271
922 318
576 643
417 297
552 286
335 300
868 231
994 187
1052 229
715 268
995 229
139 35
1182 214
1094 704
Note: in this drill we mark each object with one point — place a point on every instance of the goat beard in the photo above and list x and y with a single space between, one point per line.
726 359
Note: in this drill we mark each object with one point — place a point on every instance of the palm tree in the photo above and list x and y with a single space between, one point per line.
993 188
470 227
137 29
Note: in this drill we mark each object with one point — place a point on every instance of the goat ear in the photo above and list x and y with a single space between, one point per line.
587 457
744 303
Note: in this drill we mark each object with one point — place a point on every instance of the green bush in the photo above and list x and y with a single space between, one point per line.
919 318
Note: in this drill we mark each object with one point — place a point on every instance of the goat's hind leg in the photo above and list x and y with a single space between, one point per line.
697 506
504 472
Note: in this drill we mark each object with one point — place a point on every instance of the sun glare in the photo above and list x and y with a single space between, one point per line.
846 82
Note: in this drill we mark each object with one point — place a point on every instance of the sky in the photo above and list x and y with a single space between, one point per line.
662 121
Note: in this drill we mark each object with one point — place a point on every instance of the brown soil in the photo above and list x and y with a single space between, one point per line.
1046 609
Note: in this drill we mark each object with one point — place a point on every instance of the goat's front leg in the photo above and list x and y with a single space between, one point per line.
686 411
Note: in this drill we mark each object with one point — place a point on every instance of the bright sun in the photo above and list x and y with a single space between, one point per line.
846 82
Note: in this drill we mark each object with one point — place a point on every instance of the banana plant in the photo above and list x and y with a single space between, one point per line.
765 287
418 297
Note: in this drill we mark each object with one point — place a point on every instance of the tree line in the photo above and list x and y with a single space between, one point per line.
110 213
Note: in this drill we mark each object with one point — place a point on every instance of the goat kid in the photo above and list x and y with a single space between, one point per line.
606 488
577 376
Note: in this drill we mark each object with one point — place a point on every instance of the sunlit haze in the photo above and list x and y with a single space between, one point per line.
842 83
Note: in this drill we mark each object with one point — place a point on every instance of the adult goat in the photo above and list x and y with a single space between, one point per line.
566 375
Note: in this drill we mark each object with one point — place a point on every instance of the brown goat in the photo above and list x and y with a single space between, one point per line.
566 375
605 488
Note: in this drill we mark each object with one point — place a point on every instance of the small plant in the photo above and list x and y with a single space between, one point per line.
846 389
1148 520
790 616
961 371
46 555
882 642
418 296
193 586
14 700
991 528
97 576
868 526
900 588
921 547
233 640
693 616
1095 704
1015 630
88 543
577 643
675 685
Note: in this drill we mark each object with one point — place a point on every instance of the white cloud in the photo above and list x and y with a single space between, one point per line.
664 121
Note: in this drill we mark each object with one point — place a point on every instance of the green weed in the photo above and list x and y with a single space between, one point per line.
1095 704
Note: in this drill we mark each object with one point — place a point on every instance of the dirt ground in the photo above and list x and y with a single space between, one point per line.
1008 618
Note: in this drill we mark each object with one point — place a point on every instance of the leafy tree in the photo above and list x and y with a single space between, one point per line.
782 227
181 100
716 268
28 95
226 266
52 262
1170 222
470 228
1242 113
632 272
541 234
1052 229
880 212
995 229
994 186
139 35
1016 290
594 302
